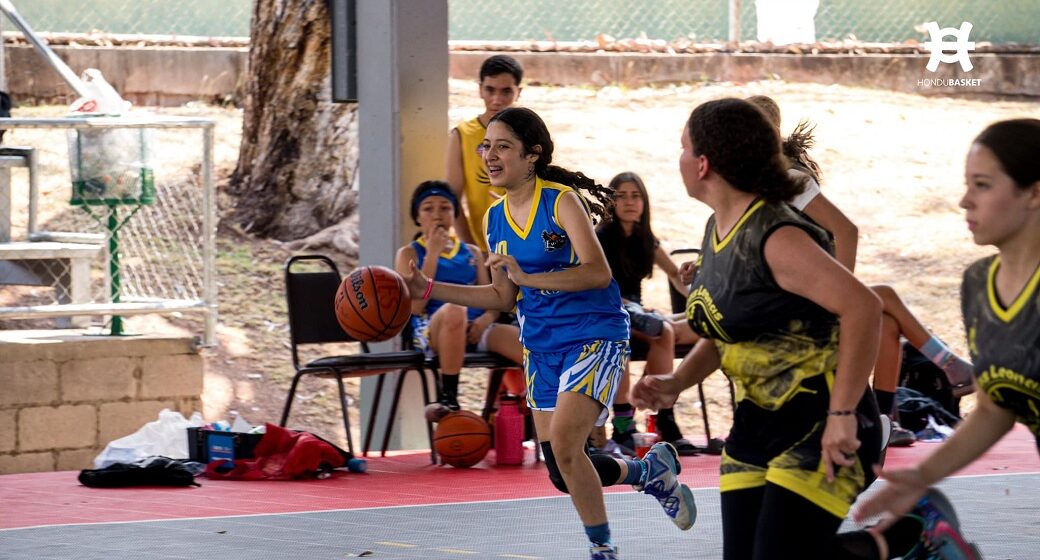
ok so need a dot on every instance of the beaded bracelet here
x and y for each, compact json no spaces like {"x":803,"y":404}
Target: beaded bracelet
{"x":840,"y":412}
{"x":429,"y":288}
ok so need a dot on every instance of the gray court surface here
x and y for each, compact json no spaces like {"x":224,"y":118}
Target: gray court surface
{"x":1000,"y":513}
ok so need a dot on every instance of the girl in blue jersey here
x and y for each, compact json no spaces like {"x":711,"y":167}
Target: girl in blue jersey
{"x":546,"y":262}
{"x":1000,"y":301}
{"x":443,"y":329}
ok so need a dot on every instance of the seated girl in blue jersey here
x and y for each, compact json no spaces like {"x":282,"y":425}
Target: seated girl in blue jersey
{"x":443,"y":329}
{"x":896,"y":320}
{"x":1000,"y":302}
{"x":546,"y":262}
{"x":632,"y":250}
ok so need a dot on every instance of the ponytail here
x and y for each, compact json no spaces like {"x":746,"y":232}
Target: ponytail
{"x":596,"y":198}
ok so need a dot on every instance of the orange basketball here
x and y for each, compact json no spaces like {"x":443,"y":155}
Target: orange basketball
{"x":372,"y":304}
{"x":462,"y":439}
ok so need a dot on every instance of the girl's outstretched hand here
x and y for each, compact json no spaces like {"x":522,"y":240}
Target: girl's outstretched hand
{"x":509,"y":265}
{"x":656,"y":391}
{"x":416,"y":280}
{"x":902,"y":489}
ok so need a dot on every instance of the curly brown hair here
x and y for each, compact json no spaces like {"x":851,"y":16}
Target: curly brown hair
{"x":743,"y":148}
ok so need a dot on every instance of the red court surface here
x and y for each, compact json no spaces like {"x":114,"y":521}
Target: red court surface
{"x":406,"y":479}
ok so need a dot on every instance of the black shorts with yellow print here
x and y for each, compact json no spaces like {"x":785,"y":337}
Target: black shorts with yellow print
{"x":783,"y":447}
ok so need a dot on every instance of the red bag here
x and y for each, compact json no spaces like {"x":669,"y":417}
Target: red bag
{"x":281,"y":455}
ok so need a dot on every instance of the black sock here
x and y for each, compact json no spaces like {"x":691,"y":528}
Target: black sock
{"x":622,"y":417}
{"x":885,"y":401}
{"x":666,"y":425}
{"x":450,"y":388}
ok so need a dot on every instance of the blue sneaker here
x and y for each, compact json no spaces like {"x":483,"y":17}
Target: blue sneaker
{"x":661,"y":481}
{"x":603,"y":553}
{"x":941,"y":538}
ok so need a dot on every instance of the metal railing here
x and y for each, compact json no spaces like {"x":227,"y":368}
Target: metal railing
{"x":167,"y":247}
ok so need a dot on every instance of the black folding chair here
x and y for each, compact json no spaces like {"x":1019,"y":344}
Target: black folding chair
{"x":712,"y":446}
{"x":312,"y":320}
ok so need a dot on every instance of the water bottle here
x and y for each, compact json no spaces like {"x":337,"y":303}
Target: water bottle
{"x":509,"y":432}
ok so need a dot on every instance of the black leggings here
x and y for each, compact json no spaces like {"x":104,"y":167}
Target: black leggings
{"x":773,"y":522}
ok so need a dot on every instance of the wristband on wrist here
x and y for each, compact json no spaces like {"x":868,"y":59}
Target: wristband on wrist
{"x":429,"y":288}
{"x":840,"y":412}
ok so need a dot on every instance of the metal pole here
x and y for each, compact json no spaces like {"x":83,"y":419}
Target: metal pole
{"x":58,"y":64}
{"x":208,"y":226}
{"x":113,"y":266}
{"x":734,"y":21}
{"x":34,"y":193}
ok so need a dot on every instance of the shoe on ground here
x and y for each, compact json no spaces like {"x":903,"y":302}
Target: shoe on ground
{"x":941,"y":538}
{"x":603,"y":553}
{"x":886,"y":434}
{"x":451,"y":402}
{"x":624,"y":440}
{"x":662,"y":482}
{"x":901,"y":437}
{"x":435,"y":411}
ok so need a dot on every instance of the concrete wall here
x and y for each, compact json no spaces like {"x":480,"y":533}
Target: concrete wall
{"x":162,"y":76}
{"x":175,"y":75}
{"x":63,"y":396}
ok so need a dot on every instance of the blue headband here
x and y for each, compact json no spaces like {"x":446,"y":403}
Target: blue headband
{"x":434,"y":191}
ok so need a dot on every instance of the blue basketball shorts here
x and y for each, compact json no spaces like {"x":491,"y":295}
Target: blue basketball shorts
{"x":593,"y":368}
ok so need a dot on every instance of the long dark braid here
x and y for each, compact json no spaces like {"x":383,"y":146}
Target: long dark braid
{"x":534,"y":135}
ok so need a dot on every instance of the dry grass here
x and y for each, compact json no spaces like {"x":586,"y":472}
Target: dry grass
{"x":893,"y":162}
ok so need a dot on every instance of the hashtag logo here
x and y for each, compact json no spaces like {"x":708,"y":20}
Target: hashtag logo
{"x":936,"y":44}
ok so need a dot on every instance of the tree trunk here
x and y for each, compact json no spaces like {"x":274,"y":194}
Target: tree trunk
{"x":298,"y":157}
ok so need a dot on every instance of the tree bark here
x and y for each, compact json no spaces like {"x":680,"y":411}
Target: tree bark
{"x":298,"y":157}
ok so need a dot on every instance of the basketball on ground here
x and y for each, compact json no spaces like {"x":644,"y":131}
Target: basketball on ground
{"x":372,"y":304}
{"x":462,"y":439}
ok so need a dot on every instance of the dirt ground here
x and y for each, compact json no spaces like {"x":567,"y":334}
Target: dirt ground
{"x":893,"y":162}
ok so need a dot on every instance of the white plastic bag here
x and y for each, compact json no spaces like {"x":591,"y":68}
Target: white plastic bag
{"x":167,"y":436}
{"x":101,"y":99}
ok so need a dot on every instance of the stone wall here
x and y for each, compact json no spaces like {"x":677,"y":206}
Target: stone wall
{"x":64,"y":396}
{"x":175,"y":75}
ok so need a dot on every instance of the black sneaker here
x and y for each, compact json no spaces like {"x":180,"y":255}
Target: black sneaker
{"x":624,"y":440}
{"x":451,"y":402}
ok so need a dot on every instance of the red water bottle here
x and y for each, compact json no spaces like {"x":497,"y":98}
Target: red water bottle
{"x":509,"y":432}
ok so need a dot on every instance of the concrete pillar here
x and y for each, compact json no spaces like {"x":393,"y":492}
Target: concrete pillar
{"x":402,"y":80}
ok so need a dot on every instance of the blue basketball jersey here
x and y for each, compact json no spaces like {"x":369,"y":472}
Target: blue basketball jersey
{"x":550,"y":319}
{"x":457,"y":266}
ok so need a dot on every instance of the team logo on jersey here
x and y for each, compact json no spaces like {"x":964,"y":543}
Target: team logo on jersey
{"x":553,"y":241}
{"x":701,"y":307}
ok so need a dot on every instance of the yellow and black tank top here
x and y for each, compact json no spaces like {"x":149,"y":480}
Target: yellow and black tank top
{"x":477,"y":188}
{"x":770,"y":341}
{"x":1004,"y":341}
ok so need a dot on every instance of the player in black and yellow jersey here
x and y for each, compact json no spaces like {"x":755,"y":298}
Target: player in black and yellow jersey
{"x":1000,"y":300}
{"x":773,"y":306}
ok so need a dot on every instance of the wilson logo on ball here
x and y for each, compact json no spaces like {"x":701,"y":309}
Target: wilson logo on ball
{"x":357,"y":282}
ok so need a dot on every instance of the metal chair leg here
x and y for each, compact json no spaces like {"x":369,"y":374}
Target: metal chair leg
{"x":493,"y":388}
{"x":373,"y":415}
{"x":346,"y":412}
{"x":393,"y":413}
{"x":704,"y":413}
{"x":289,"y":399}
{"x":429,"y":425}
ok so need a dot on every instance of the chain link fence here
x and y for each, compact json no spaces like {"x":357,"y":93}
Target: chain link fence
{"x":133,"y":240}
{"x":707,"y":21}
